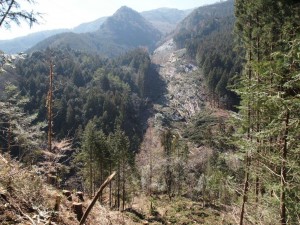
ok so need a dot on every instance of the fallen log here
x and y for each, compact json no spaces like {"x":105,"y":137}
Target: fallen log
{"x":86,"y":213}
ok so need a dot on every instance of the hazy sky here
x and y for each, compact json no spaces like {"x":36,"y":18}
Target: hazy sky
{"x":70,"y":13}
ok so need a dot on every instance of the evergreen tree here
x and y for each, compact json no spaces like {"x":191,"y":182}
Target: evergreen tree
{"x":268,"y":32}
{"x":119,"y":143}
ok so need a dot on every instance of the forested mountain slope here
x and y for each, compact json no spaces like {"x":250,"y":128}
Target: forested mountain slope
{"x":123,"y":31}
{"x":163,"y":19}
{"x":21,"y":44}
{"x":88,"y":87}
{"x":207,"y":33}
{"x":159,"y":122}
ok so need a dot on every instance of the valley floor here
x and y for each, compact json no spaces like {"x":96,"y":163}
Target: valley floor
{"x":184,"y":97}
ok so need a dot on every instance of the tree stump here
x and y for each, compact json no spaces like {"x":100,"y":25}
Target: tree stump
{"x":77,"y":209}
{"x":52,"y":172}
{"x":79,"y":195}
{"x":51,"y":179}
{"x":67,"y":194}
{"x":57,"y":202}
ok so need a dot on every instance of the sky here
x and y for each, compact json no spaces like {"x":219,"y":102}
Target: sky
{"x":70,"y":13}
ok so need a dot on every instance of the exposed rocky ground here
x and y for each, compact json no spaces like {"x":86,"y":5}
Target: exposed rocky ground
{"x":25,"y":198}
{"x":183,"y":99}
{"x":185,"y":92}
{"x":7,"y":68}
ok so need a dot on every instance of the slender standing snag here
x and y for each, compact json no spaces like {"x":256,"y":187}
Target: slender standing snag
{"x":86,"y":213}
{"x":49,"y":107}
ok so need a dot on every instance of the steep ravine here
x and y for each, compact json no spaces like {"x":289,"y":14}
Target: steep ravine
{"x":185,"y":92}
{"x":183,"y":98}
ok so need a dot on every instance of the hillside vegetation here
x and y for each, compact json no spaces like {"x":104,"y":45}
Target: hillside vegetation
{"x":207,"y":33}
{"x":202,"y":130}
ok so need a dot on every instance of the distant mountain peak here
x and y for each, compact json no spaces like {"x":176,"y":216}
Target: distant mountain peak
{"x":124,"y":7}
{"x":128,"y":27}
{"x":126,"y":12}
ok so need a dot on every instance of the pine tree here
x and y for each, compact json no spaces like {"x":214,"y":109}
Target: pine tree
{"x":268,"y":91}
{"x":169,"y":141}
{"x":119,"y":143}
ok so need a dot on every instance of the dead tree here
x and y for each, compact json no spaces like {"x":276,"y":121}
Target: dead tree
{"x":88,"y":210}
{"x":49,"y":107}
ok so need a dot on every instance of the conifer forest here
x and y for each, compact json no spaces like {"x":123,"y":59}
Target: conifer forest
{"x":165,"y":116}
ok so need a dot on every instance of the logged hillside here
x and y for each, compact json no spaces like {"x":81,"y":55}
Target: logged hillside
{"x":27,"y":198}
{"x":160,"y":124}
{"x":147,"y":118}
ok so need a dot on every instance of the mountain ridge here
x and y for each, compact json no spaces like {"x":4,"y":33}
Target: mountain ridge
{"x":125,"y":29}
{"x":164,"y":19}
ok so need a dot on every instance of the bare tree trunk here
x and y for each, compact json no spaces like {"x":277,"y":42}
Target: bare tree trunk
{"x":86,"y":213}
{"x":151,"y":164}
{"x":101,"y":179}
{"x":110,"y":188}
{"x":257,"y":180}
{"x":49,"y":107}
{"x":246,"y":187}
{"x":9,"y":135}
{"x":91,"y":173}
{"x":118,"y":187}
{"x":257,"y":111}
{"x":123,"y":186}
{"x":283,"y":216}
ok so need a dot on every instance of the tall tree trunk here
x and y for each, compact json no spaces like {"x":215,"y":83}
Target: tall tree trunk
{"x":9,"y":136}
{"x":283,"y":216}
{"x":118,"y":187}
{"x":110,"y":187}
{"x":151,"y":168}
{"x":245,"y":191}
{"x":101,"y":179}
{"x":258,"y":49}
{"x":49,"y":107}
{"x":123,"y":186}
{"x":248,"y":160}
{"x":91,"y":172}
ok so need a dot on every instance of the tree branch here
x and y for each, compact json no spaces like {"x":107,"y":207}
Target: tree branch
{"x":7,"y":11}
